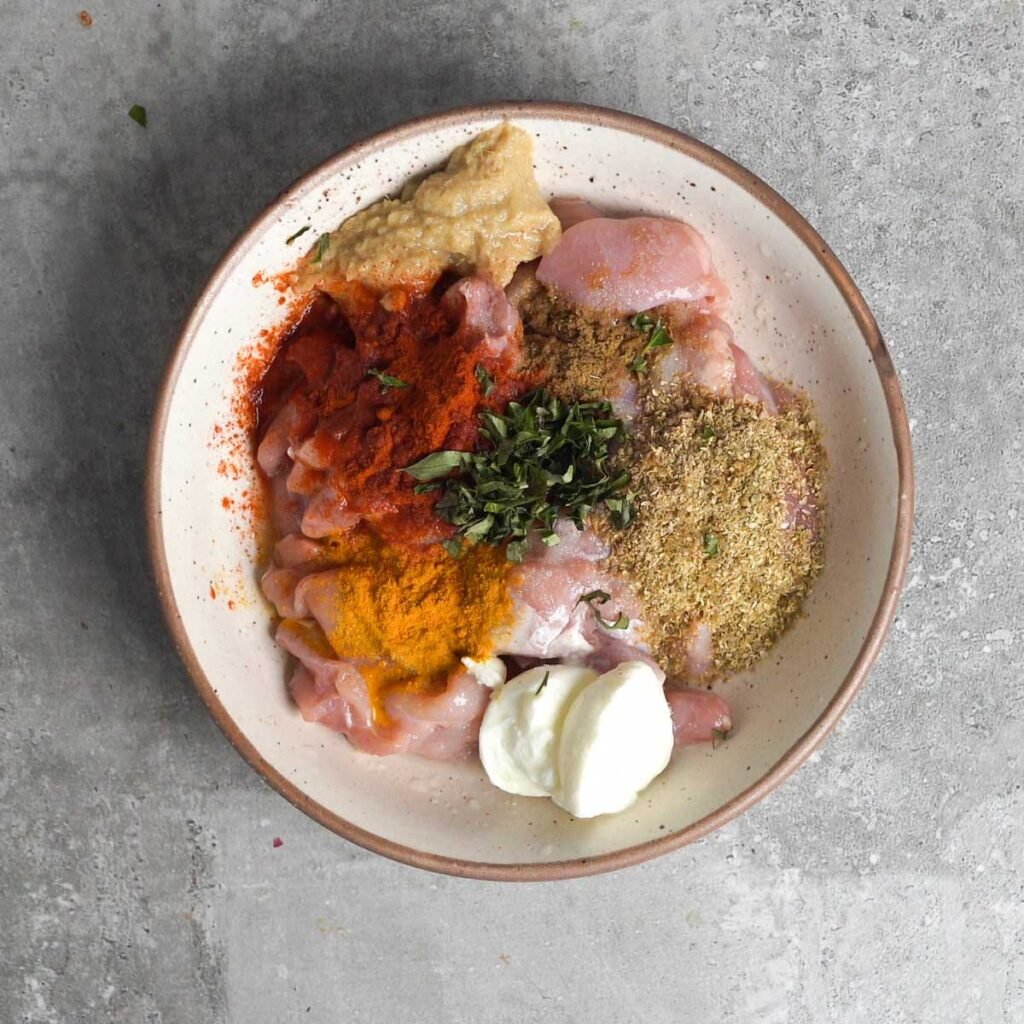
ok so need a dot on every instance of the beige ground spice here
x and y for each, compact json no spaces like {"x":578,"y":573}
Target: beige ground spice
{"x":713,"y":477}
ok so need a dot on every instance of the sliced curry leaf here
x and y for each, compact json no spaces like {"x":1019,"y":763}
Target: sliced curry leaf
{"x":320,"y":249}
{"x":437,"y":464}
{"x":453,"y":547}
{"x":387,"y":382}
{"x":484,"y":379}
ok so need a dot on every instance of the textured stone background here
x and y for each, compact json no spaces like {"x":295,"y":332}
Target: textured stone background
{"x":137,"y":877}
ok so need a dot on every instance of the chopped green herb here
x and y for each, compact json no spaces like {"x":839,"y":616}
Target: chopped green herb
{"x":542,"y":458}
{"x":298,"y":234}
{"x":516,"y":551}
{"x":622,"y":509}
{"x":602,"y":597}
{"x":707,"y":433}
{"x":387,"y":382}
{"x":718,"y":737}
{"x":320,"y":249}
{"x":710,"y":545}
{"x":453,"y":547}
{"x":138,"y":115}
{"x":426,"y":488}
{"x":543,"y":683}
{"x":657,"y":337}
{"x":437,"y":464}
{"x":485,"y":380}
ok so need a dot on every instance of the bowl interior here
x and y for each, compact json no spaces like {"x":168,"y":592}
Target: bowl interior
{"x":789,"y":313}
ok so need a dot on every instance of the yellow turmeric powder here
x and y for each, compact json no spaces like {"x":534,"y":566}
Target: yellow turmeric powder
{"x":408,"y":614}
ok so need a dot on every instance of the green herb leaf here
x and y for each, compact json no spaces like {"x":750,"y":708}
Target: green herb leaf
{"x":710,"y":545}
{"x":516,"y":551}
{"x":543,"y":683}
{"x":426,"y":488}
{"x":622,"y":509}
{"x":601,"y":597}
{"x":437,"y":464}
{"x":320,"y":249}
{"x":478,"y":529}
{"x":138,"y":115}
{"x":387,"y":382}
{"x":484,"y":379}
{"x":453,"y":547}
{"x":707,"y":433}
{"x":541,"y":459}
{"x":298,"y":234}
{"x":657,"y":337}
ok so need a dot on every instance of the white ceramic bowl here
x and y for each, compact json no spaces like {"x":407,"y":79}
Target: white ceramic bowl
{"x":794,"y":308}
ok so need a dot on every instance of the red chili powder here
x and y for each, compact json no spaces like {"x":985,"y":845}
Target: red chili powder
{"x":380,"y":388}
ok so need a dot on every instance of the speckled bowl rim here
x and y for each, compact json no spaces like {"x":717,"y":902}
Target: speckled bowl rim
{"x":880,"y":624}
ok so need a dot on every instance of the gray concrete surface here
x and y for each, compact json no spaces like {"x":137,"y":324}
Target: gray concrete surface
{"x":138,"y":880}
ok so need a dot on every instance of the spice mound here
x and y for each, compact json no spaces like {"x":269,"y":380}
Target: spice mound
{"x":406,"y":615}
{"x":727,"y":531}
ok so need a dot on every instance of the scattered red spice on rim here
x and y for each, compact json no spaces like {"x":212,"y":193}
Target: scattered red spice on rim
{"x":85,"y":18}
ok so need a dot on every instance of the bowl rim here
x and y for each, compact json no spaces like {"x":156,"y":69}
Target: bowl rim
{"x":585,"y":114}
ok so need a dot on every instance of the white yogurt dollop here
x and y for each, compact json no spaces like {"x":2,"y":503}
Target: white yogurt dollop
{"x":592,"y":743}
{"x":616,"y":739}
{"x":521,"y":727}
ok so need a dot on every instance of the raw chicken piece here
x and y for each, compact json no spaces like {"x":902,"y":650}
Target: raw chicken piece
{"x":293,"y":422}
{"x":523,"y":282}
{"x":570,"y":210}
{"x":327,"y":513}
{"x":441,"y":726}
{"x":632,"y":264}
{"x":334,"y":692}
{"x":285,"y":508}
{"x":700,"y":652}
{"x":278,"y":586}
{"x":705,"y":351}
{"x":697,"y":715}
{"x":550,"y":620}
{"x":702,"y":350}
{"x":486,"y":311}
{"x":573,"y":545}
{"x":294,"y":550}
{"x":749,"y":384}
{"x":295,"y":557}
